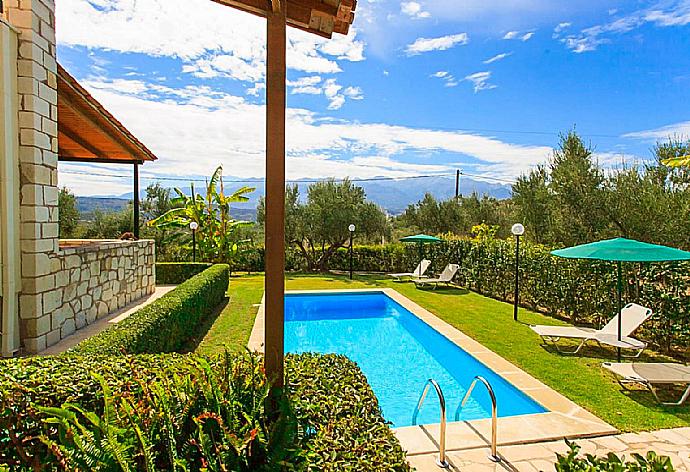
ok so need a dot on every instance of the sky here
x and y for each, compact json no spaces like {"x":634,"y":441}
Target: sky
{"x":416,"y":88}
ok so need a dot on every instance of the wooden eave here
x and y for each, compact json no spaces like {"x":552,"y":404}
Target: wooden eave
{"x":321,"y":17}
{"x":87,"y":132}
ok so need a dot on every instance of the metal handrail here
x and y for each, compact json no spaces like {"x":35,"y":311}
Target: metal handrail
{"x":441,"y":461}
{"x":494,"y":413}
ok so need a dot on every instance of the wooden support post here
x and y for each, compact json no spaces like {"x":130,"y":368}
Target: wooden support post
{"x":136,"y":200}
{"x":275,"y":193}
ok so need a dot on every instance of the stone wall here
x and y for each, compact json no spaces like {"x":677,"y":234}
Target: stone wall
{"x":38,"y":145}
{"x":92,"y":279}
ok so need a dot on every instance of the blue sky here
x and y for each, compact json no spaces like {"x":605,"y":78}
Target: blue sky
{"x":417,"y":87}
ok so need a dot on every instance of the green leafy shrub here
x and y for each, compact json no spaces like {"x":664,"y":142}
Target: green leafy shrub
{"x":571,"y":462}
{"x":210,"y":417}
{"x":51,"y":381}
{"x":173,"y":403}
{"x":341,"y":415}
{"x":175,"y":273}
{"x":166,"y":324}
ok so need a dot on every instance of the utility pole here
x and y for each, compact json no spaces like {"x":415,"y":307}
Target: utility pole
{"x":457,"y":183}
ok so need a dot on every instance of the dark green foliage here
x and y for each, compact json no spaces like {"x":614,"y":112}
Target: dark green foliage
{"x":51,"y":381}
{"x":319,"y":226}
{"x":193,"y":409}
{"x":166,"y":324}
{"x":611,"y":463}
{"x":174,"y":273}
{"x":209,"y":417}
{"x":68,"y":213}
{"x":338,"y":409}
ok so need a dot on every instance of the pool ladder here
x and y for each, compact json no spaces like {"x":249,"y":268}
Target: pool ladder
{"x":441,"y":461}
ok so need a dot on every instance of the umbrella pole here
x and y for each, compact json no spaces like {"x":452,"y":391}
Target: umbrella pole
{"x":620,"y":304}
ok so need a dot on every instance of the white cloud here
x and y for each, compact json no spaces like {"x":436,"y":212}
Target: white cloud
{"x":561,"y":26}
{"x":480,"y":80}
{"x":194,"y":129}
{"x":518,"y":35}
{"x":228,"y":43}
{"x":681,"y":130}
{"x":448,"y":79}
{"x":498,"y":57}
{"x":663,"y":14}
{"x":330,"y":88}
{"x":436,"y":44}
{"x":414,"y":10}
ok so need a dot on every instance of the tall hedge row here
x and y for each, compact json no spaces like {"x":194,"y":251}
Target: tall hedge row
{"x":164,"y":325}
{"x":174,"y":273}
{"x":582,"y":291}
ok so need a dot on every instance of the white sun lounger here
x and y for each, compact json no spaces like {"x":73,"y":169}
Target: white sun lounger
{"x":418,"y":272}
{"x":446,"y":277}
{"x":649,"y":375}
{"x":633,"y":315}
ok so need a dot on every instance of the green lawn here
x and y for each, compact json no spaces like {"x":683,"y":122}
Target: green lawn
{"x":490,"y":322}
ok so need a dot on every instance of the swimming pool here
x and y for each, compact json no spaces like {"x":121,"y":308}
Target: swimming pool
{"x":397,"y":352}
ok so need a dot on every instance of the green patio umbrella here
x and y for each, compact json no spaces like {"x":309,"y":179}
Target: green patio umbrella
{"x":421,"y":239}
{"x":621,"y":250}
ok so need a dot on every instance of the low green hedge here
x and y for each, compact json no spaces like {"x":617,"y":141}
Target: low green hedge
{"x":175,"y":273}
{"x":330,"y":403}
{"x":166,"y":324}
{"x":341,"y":415}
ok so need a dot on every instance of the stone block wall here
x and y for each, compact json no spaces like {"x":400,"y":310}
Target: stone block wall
{"x":38,"y":146}
{"x":92,"y":280}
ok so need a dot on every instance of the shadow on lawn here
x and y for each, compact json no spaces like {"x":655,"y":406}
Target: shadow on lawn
{"x":200,"y":330}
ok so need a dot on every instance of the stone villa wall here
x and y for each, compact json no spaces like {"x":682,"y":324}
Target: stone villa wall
{"x":38,"y":145}
{"x":91,"y":279}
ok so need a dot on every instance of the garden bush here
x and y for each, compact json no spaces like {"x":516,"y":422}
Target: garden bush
{"x":572,"y":462}
{"x":151,"y":408}
{"x":159,"y":413}
{"x":166,"y":324}
{"x":175,"y":273}
{"x":341,"y":416}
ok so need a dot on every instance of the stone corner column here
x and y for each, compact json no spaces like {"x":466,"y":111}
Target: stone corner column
{"x":38,"y":146}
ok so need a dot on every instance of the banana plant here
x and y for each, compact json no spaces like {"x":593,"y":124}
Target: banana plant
{"x":217,"y":230}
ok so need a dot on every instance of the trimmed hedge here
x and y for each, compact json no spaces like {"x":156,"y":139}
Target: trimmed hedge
{"x":331,"y":401}
{"x":175,"y":273}
{"x":341,"y":415}
{"x":166,"y":324}
{"x":51,"y":381}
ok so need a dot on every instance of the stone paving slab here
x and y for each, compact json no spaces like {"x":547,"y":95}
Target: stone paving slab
{"x":674,"y":443}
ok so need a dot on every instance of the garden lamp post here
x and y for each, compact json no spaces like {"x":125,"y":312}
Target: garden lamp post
{"x":193,"y":226}
{"x":352,"y":236}
{"x":518,"y":230}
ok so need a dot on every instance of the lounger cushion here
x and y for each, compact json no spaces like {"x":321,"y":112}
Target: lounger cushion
{"x":564,"y":331}
{"x":654,"y":373}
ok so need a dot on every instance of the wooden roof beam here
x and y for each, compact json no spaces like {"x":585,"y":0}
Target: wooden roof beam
{"x":88,"y":147}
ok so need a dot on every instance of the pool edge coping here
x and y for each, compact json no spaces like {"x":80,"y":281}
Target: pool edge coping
{"x":563,"y":418}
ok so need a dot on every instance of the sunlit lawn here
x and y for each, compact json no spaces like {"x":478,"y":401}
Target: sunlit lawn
{"x":490,"y":322}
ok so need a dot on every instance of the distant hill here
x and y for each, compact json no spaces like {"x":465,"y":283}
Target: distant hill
{"x":87,"y":205}
{"x":392,"y":195}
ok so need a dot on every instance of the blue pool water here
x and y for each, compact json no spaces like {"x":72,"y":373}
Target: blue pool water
{"x":397,"y":352}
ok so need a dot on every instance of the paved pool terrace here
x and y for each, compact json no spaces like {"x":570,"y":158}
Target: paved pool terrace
{"x":564,"y":418}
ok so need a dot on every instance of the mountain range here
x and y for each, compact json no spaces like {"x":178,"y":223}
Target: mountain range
{"x":392,"y":195}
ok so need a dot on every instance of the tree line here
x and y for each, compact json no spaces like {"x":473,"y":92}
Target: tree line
{"x":571,"y":199}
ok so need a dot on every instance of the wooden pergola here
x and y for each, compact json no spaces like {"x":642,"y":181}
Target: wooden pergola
{"x":87,"y":132}
{"x":323,"y":18}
